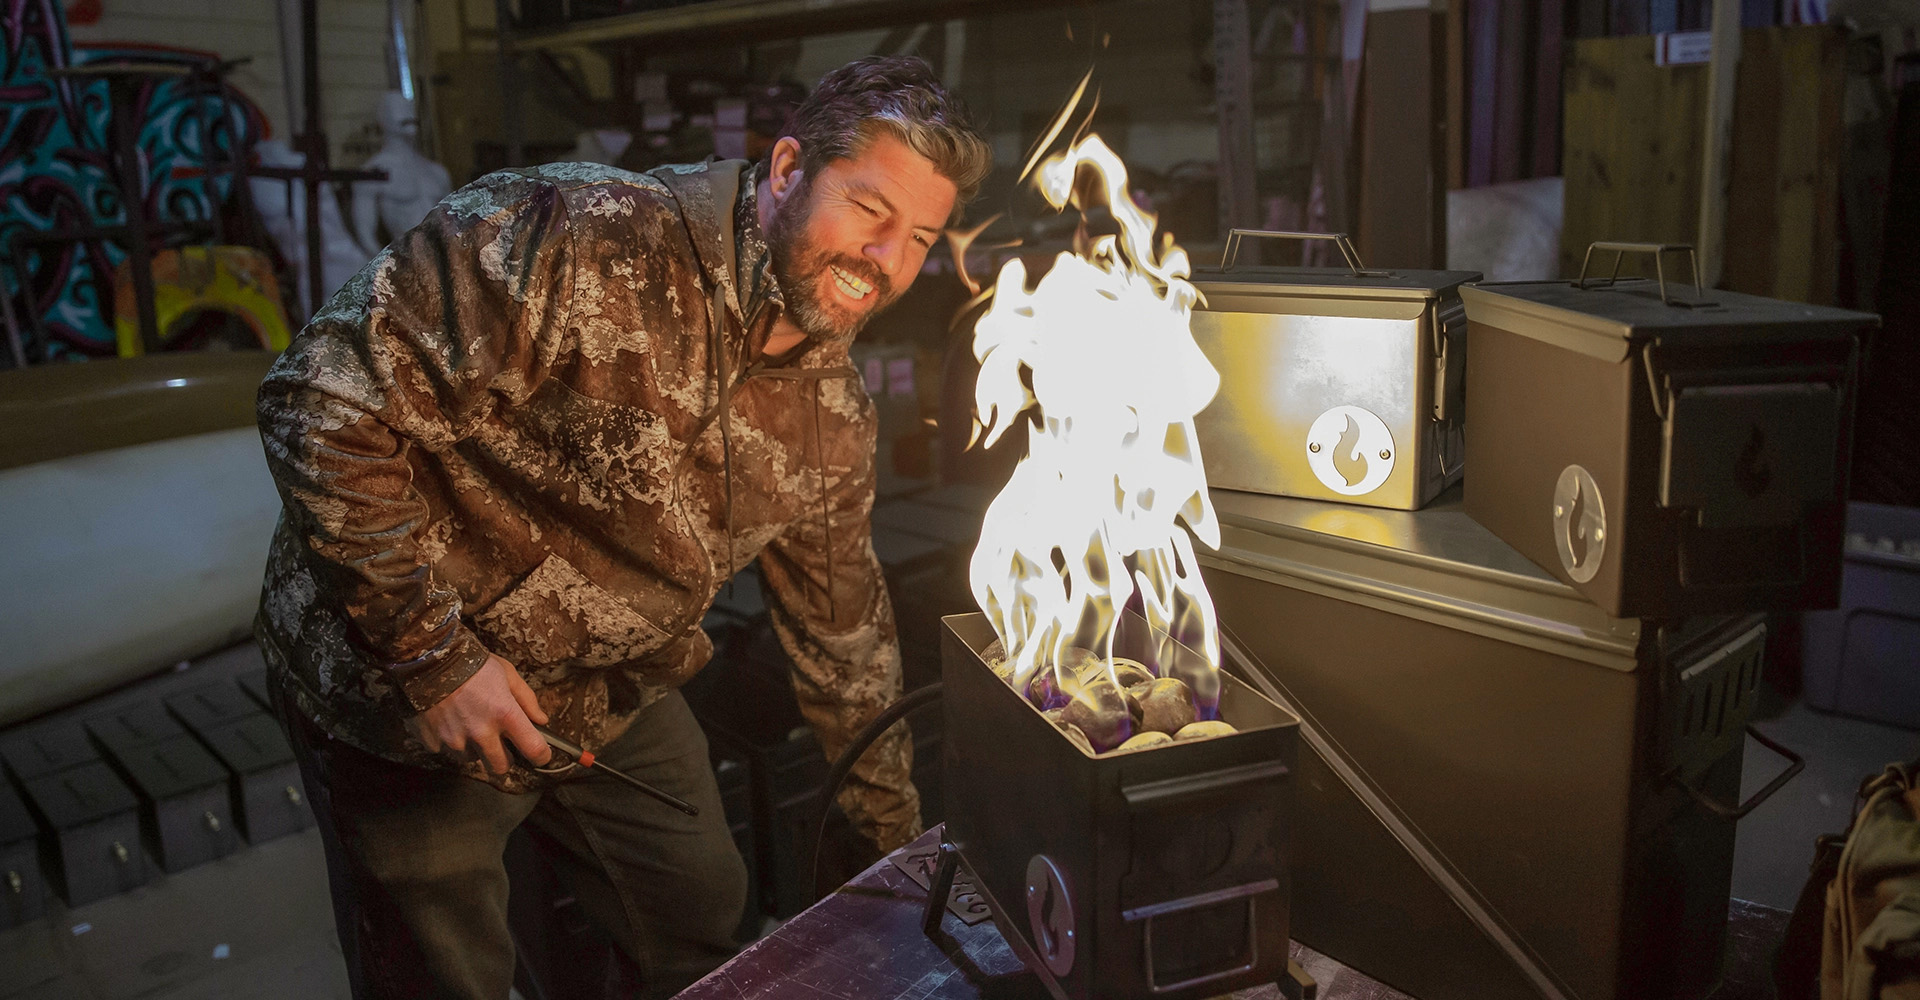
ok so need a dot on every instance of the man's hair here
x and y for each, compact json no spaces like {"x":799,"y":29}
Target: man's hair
{"x":897,"y":96}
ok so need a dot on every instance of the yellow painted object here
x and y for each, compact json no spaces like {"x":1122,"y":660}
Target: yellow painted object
{"x":190,"y":280}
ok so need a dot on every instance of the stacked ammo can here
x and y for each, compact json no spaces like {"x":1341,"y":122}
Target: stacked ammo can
{"x":1527,"y":709}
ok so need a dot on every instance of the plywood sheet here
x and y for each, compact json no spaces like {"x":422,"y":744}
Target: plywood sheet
{"x":1632,"y":149}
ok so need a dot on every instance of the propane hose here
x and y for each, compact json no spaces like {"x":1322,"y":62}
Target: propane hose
{"x":837,"y":775}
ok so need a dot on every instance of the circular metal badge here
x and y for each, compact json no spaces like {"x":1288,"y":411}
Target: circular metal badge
{"x":1350,"y":450}
{"x":1050,"y":914}
{"x":1579,"y":523}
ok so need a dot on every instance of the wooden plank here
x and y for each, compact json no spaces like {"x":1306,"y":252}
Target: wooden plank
{"x":1402,"y":205}
{"x":1233,"y":96}
{"x":1631,"y":17}
{"x":1483,"y":75}
{"x":1717,"y":143}
{"x":1632,"y":149}
{"x":1548,"y":66}
{"x":1456,"y":94}
{"x":1783,"y":200}
{"x":1510,"y":132}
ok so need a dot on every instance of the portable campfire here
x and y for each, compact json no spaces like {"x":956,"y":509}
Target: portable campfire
{"x":1118,"y":803}
{"x":1156,"y":872}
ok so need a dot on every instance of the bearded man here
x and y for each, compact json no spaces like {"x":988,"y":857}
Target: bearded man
{"x":519,"y":454}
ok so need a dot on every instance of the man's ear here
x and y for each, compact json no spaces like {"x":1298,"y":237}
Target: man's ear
{"x":784,"y":175}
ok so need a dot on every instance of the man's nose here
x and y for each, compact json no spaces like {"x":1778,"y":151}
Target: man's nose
{"x":889,"y":251}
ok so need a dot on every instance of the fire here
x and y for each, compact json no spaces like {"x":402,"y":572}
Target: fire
{"x":1107,"y":503}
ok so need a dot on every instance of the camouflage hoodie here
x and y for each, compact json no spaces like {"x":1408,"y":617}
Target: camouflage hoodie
{"x":539,"y":425}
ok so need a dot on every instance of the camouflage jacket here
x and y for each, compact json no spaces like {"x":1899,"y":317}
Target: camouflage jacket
{"x":539,"y":425}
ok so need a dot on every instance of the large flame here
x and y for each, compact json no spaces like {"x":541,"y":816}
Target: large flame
{"x":1102,"y":349}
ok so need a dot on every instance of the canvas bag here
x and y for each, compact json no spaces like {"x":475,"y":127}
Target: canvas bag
{"x":1870,"y":945}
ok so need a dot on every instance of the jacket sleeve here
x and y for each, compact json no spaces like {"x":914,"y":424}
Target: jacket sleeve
{"x":844,"y":648}
{"x":462,"y":314}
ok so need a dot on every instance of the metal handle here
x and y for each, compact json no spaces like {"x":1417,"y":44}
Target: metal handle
{"x":1232,"y":250}
{"x":1727,"y":812}
{"x":1250,"y":892}
{"x":1659,"y":252}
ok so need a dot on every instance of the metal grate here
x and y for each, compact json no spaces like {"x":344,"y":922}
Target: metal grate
{"x":1708,"y":713}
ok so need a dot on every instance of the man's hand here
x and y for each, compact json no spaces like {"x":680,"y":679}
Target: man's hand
{"x":494,"y":702}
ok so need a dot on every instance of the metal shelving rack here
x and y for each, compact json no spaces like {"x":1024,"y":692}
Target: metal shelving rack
{"x":736,"y":21}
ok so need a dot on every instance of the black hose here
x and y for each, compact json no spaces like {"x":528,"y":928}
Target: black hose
{"x":851,"y":755}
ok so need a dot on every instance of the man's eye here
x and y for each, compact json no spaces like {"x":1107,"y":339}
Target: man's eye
{"x":869,"y":209}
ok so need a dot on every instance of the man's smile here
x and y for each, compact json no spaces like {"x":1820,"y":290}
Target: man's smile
{"x":850,"y":286}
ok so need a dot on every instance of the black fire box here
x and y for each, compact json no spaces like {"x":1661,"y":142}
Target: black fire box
{"x":1509,"y":794}
{"x":94,"y":820}
{"x":23,"y":888}
{"x":47,"y":749}
{"x":133,"y":726}
{"x":1663,"y":450}
{"x":266,"y":790}
{"x":183,"y":795}
{"x":211,"y":706}
{"x":1159,"y":872}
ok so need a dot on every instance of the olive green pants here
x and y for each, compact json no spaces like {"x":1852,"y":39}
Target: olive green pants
{"x":414,"y":860}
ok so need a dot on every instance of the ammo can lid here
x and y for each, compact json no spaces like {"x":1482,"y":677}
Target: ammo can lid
{"x":1607,"y":320}
{"x":1435,"y":564}
{"x":1329,"y":282}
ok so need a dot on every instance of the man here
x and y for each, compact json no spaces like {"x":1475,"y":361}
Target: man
{"x":520,"y":452}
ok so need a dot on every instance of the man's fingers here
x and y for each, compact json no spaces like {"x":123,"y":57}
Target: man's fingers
{"x":494,"y":752}
{"x":529,"y":702}
{"x":528,"y":740}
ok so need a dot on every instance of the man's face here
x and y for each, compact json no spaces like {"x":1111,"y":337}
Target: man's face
{"x":848,"y":241}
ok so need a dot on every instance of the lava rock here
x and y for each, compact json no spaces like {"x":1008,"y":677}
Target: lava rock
{"x":1100,"y":710}
{"x":1079,"y":738}
{"x":1141,"y":740}
{"x":1045,"y":692}
{"x":1205,"y":730}
{"x":1166,"y":705}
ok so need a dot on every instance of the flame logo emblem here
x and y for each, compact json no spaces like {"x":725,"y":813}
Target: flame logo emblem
{"x":1752,"y":472}
{"x":1579,"y":523}
{"x":1348,"y":459}
{"x":1350,"y":451}
{"x":1050,"y":914}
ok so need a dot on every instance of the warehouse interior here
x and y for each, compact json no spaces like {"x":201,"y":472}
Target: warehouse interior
{"x":1557,"y":510}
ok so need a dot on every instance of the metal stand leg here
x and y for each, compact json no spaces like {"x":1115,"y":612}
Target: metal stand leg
{"x":1296,"y":984}
{"x":938,"y":892}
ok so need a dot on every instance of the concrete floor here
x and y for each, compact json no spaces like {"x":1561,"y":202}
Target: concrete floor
{"x":257,"y":924}
{"x":1775,"y":841}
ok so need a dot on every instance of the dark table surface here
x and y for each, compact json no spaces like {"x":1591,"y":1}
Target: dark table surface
{"x":864,"y":942}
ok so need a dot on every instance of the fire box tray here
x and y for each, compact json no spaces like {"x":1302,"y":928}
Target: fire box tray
{"x":1491,"y":756}
{"x":1335,"y":383}
{"x":1159,"y":872}
{"x":183,"y":798}
{"x":23,"y":887}
{"x":94,"y":820}
{"x":266,"y":789}
{"x":1665,"y":453}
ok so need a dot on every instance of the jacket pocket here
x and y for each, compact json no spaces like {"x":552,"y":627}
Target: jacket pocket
{"x":557,"y":619}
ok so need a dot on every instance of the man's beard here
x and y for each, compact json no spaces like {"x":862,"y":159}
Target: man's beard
{"x":800,"y":267}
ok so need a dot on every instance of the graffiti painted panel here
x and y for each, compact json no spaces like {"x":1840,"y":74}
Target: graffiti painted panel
{"x":56,"y":173}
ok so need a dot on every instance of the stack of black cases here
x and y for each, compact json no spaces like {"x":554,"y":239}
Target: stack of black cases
{"x":1519,"y":787}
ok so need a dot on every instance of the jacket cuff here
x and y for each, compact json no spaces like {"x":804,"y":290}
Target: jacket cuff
{"x":427,"y":679}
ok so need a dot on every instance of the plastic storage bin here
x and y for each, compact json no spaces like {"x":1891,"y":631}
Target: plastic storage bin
{"x":1863,"y":659}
